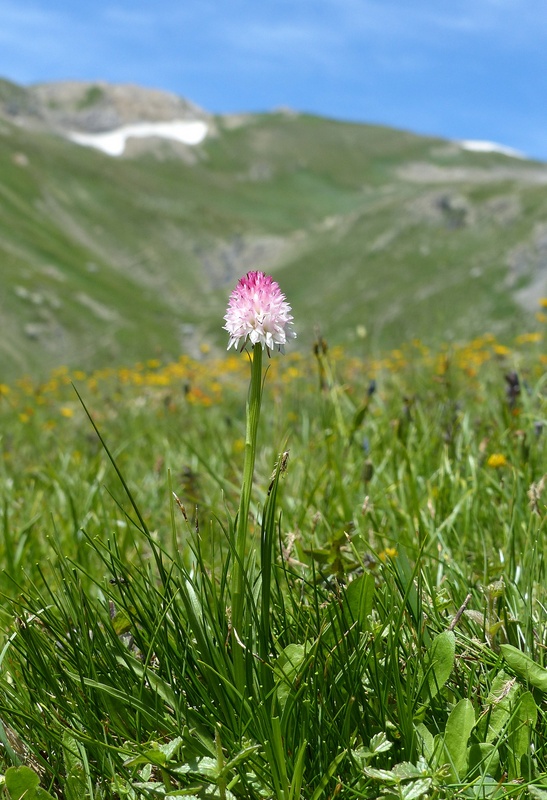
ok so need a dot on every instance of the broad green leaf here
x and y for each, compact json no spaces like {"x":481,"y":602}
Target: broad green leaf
{"x":159,"y":755}
{"x":171,"y":748}
{"x":292,"y":656}
{"x":439,"y":663}
{"x":406,"y":771}
{"x":286,"y":669}
{"x":207,"y":766}
{"x":156,"y":757}
{"x":183,"y":793}
{"x":525,"y":667}
{"x":459,"y":725}
{"x":427,"y":740}
{"x":182,"y":769}
{"x":359,"y":597}
{"x":502,"y":695}
{"x":383,"y":775}
{"x":20,"y":780}
{"x":24,"y":782}
{"x":488,"y":788}
{"x":484,"y":759}
{"x":520,"y":729}
{"x":500,"y":689}
{"x":122,"y":623}
{"x":415,"y":789}
{"x":379,"y":743}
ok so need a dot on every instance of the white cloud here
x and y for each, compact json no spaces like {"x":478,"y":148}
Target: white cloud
{"x":35,"y":39}
{"x":129,"y":17}
{"x":284,"y":41}
{"x":21,"y":25}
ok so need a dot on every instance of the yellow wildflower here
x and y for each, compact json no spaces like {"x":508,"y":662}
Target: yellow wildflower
{"x":389,"y":552}
{"x":497,"y":460}
{"x":529,"y":338}
{"x":66,"y":411}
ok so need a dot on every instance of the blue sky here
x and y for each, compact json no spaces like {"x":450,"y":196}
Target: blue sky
{"x":464,"y":69}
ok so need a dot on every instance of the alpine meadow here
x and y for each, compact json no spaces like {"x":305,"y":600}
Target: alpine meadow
{"x":273,"y":475}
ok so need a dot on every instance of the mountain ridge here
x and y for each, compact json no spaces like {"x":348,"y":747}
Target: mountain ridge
{"x":92,"y":106}
{"x":367,"y":229}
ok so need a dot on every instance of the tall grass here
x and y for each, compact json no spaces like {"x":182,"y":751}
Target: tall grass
{"x":393,"y":580}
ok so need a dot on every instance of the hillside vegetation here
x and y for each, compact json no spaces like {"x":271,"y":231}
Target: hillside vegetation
{"x":377,"y":235}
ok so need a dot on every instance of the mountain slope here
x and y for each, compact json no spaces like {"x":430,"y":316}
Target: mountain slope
{"x":118,"y":259}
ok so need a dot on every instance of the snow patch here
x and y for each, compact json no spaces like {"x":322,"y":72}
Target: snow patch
{"x":113,"y":142}
{"x":479,"y":146}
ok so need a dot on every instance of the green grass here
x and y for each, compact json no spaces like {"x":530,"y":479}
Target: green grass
{"x":393,"y":629}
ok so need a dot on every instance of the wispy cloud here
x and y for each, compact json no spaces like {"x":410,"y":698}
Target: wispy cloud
{"x":19,"y":23}
{"x":283,"y":42}
{"x":421,"y":20}
{"x":131,"y":18}
{"x":36,"y":40}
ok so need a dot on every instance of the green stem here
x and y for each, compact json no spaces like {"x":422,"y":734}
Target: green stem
{"x":238,"y":572}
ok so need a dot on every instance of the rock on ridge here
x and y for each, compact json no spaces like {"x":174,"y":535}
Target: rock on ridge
{"x":92,"y":106}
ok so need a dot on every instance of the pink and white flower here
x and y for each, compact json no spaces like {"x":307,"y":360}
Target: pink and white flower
{"x":258,"y":313}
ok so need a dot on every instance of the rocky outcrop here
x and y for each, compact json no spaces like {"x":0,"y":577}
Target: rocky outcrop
{"x":91,"y":107}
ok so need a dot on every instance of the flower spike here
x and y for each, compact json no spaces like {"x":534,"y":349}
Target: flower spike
{"x":258,"y":313}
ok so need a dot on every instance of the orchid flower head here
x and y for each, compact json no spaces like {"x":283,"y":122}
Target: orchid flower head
{"x":259,"y":313}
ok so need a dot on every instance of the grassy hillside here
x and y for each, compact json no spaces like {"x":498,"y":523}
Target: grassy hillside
{"x":369,"y":230}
